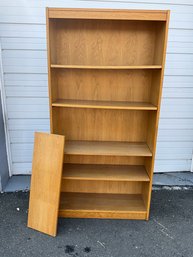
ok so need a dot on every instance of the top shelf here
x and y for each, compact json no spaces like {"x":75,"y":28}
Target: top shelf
{"x":111,"y":67}
{"x":107,"y":14}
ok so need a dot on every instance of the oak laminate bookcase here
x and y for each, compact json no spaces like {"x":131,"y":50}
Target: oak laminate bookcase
{"x":105,"y":80}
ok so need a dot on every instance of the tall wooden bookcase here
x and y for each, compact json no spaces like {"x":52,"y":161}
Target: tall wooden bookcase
{"x":105,"y":80}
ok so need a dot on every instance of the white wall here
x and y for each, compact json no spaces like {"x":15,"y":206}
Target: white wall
{"x":23,"y":39}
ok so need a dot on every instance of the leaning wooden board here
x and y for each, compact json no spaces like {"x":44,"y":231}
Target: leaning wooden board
{"x":45,"y":182}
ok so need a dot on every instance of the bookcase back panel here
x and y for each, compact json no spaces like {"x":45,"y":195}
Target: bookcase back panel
{"x":145,"y":193}
{"x":101,"y":125}
{"x":109,"y":85}
{"x":155,"y":87}
{"x":101,"y":187}
{"x":102,"y":42}
{"x":97,"y":159}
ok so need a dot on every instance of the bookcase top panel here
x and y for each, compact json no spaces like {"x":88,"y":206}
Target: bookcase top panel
{"x":108,"y":14}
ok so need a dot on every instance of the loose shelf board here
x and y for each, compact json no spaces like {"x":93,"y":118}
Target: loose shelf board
{"x":46,"y":182}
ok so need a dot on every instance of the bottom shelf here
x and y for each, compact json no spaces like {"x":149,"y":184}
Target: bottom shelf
{"x":82,"y":205}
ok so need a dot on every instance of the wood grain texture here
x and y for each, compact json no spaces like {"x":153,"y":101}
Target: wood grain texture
{"x":101,"y":187}
{"x":106,"y":148}
{"x":49,"y":35}
{"x":46,"y":182}
{"x":136,"y":67}
{"x":106,"y":72}
{"x":102,"y":159}
{"x":94,"y":43}
{"x":104,"y":172}
{"x":102,"y":85}
{"x":112,"y":14}
{"x":79,"y":205}
{"x":104,"y":105}
{"x":93,"y":124}
{"x":153,"y":128}
{"x":113,"y":179}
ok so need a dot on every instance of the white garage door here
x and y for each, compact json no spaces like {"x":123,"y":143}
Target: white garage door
{"x":23,"y":40}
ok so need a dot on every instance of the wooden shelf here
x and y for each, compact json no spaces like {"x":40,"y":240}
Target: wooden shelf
{"x":106,"y":148}
{"x":110,"y":141}
{"x":82,"y":205}
{"x":105,"y":172}
{"x":115,"y":105}
{"x":105,"y":14}
{"x":107,"y":67}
